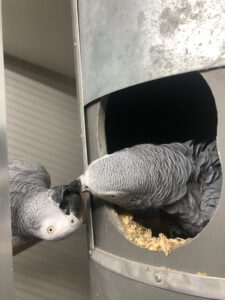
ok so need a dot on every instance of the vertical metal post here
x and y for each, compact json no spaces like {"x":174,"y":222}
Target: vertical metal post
{"x":6,"y":270}
{"x":80,"y":96}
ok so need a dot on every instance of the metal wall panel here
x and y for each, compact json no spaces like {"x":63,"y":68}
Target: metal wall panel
{"x":128,"y":42}
{"x":124,"y":43}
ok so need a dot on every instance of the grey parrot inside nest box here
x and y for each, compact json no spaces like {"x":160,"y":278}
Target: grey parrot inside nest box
{"x":182,"y":180}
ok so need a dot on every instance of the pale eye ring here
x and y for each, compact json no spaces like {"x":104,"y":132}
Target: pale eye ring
{"x":50,"y":229}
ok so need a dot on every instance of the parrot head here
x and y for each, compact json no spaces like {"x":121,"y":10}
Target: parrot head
{"x":52,"y":214}
{"x":117,"y":178}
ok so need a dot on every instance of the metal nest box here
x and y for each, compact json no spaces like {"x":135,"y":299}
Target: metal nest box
{"x":162,"y":59}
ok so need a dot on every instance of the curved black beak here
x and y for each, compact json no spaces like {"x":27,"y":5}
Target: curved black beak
{"x":75,"y":186}
{"x":72,"y":203}
{"x":69,"y":198}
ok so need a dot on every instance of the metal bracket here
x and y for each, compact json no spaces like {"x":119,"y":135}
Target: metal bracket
{"x":181,"y":282}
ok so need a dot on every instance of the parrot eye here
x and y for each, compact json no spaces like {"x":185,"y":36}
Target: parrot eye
{"x":50,"y":229}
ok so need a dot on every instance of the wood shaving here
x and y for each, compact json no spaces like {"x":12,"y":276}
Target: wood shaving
{"x":143,"y":237}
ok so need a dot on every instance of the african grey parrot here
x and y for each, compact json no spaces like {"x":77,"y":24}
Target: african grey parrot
{"x":181,"y":179}
{"x":37,"y":211}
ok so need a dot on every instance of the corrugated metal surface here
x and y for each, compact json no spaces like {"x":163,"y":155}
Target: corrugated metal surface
{"x":43,"y":125}
{"x":53,"y":270}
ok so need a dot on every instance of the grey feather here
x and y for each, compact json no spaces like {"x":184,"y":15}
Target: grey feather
{"x":184,"y":180}
{"x":204,"y":186}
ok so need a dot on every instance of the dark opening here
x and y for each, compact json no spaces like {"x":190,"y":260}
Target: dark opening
{"x":173,"y":109}
{"x":176,"y":108}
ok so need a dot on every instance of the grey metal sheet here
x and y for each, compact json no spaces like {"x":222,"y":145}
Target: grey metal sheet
{"x":172,"y":280}
{"x":128,"y":42}
{"x":107,"y":285}
{"x":80,"y":97}
{"x":205,"y":253}
{"x":6,"y":271}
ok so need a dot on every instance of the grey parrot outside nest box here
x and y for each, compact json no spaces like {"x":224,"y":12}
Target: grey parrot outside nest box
{"x":151,"y":71}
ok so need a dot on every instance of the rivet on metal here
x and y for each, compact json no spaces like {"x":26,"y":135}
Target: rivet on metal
{"x":157,"y":277}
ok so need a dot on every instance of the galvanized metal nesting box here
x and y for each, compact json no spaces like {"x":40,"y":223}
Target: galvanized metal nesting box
{"x":127,"y":53}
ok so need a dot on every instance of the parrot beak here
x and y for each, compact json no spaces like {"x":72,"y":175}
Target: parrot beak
{"x":69,"y":199}
{"x":75,"y":186}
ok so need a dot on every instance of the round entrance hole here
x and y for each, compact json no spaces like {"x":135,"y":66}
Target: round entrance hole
{"x":173,"y":109}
